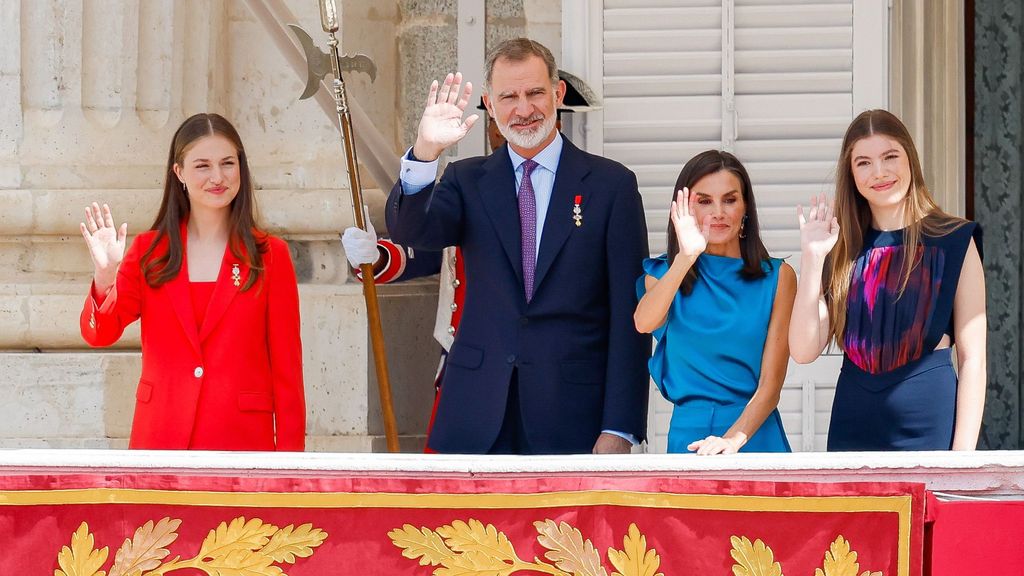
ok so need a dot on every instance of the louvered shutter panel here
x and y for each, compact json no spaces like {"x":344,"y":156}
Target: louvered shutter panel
{"x":663,"y":104}
{"x":772,"y":82}
{"x":662,"y":93}
{"x":794,"y":99}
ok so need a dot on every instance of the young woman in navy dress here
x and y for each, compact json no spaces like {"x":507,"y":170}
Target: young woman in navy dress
{"x":719,"y":308}
{"x":895,"y":282}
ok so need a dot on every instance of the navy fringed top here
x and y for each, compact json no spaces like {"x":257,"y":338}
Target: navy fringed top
{"x":886,"y":331}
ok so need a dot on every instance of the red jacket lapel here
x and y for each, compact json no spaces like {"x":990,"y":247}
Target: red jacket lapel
{"x":230,"y":280}
{"x":181,"y":297}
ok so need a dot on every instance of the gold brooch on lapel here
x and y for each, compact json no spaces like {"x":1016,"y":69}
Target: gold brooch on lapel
{"x":236,"y":275}
{"x":577,"y":212}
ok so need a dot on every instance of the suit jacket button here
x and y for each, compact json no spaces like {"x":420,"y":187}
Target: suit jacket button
{"x":511,"y":359}
{"x":524,"y":321}
{"x":198,"y":372}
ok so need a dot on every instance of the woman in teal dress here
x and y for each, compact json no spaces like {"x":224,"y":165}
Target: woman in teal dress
{"x":719,"y":308}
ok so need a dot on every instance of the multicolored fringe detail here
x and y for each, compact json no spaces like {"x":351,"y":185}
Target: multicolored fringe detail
{"x":885,"y":330}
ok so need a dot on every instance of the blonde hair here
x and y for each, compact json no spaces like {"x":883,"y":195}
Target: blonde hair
{"x":922,"y":216}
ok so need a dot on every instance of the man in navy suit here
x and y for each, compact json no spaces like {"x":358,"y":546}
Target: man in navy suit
{"x":546,"y":359}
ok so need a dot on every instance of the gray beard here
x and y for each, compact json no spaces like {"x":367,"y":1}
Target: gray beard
{"x":532,"y":139}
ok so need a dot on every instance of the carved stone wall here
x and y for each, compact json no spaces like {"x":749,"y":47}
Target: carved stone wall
{"x":90,"y":94}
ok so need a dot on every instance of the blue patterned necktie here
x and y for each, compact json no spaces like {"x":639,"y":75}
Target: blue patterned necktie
{"x":528,"y":227}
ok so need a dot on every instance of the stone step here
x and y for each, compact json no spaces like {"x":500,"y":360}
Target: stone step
{"x":409,"y":443}
{"x":79,"y":398}
{"x":58,"y":212}
{"x":40,"y":242}
{"x":67,"y":397}
{"x":50,"y":260}
{"x":46,"y":316}
{"x":40,"y":310}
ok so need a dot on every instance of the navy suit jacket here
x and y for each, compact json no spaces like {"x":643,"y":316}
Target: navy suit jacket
{"x":581,"y":363}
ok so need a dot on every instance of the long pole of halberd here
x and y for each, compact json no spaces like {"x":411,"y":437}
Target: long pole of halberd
{"x":369,"y":288}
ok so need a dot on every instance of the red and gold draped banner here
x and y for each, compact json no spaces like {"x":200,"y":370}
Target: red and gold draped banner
{"x":565,"y":525}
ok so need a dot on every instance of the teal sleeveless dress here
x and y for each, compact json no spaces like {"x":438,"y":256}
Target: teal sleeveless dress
{"x":707,"y":360}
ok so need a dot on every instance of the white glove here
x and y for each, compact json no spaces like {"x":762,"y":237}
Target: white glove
{"x":360,"y":246}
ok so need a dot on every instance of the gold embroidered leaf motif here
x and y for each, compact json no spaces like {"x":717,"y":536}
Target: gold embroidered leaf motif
{"x":238,"y":535}
{"x":568,"y":550}
{"x":289,"y":542}
{"x":431,"y":549}
{"x":634,"y":559}
{"x":840,"y":560}
{"x":146,"y":549}
{"x":240,"y":562}
{"x":753,"y":559}
{"x":474,"y":563}
{"x":80,"y":559}
{"x":421,"y":543}
{"x":475,"y":537}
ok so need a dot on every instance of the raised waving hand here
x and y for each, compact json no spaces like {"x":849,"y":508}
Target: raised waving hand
{"x":819,"y":231}
{"x":106,"y":244}
{"x":809,"y":324}
{"x":441,"y":124}
{"x":652,"y":310}
{"x":692,"y":238}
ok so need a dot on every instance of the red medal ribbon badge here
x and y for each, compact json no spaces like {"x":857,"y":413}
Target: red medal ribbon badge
{"x":577,"y":212}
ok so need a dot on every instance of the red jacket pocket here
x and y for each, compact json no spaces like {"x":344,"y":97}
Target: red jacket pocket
{"x":144,"y":392}
{"x":255,"y":402}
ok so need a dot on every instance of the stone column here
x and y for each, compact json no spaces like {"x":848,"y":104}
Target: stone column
{"x":927,"y":91}
{"x":428,"y":49}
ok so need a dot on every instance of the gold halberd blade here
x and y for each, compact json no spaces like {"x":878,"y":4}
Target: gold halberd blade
{"x":318,"y":63}
{"x":359,"y":63}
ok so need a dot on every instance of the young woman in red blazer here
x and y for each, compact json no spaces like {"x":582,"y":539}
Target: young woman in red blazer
{"x":221,"y":355}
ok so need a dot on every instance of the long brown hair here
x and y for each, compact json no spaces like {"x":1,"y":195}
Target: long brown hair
{"x":246,"y":241}
{"x":752,"y":249}
{"x":922,"y":216}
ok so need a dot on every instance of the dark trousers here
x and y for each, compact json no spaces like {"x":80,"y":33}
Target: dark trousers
{"x":512,"y":437}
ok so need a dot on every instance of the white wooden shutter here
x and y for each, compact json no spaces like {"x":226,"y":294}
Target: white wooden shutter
{"x":771,"y":81}
{"x":662,"y":105}
{"x":794,"y":99}
{"x":662,"y":93}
